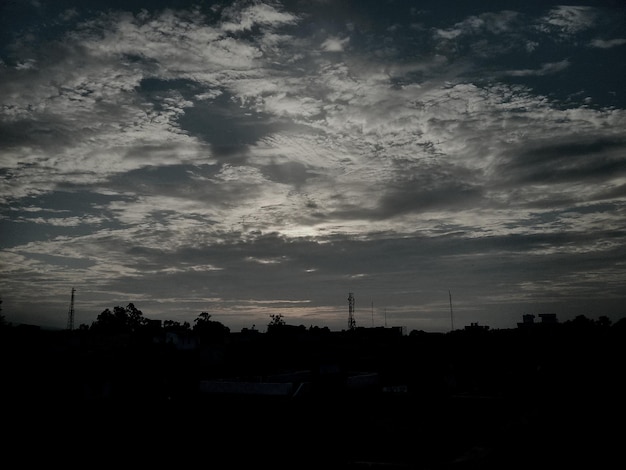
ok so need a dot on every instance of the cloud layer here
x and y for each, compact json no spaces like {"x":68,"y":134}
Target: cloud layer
{"x":257,"y":157}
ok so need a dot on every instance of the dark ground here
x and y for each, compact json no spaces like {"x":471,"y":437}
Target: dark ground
{"x":496,"y":400}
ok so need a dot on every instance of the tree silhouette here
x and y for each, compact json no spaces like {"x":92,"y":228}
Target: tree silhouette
{"x":203,"y":318}
{"x":277,"y":321}
{"x":208,"y":329}
{"x":279,"y":328}
{"x":134,"y":317}
{"x":121,"y":319}
{"x":175,"y":325}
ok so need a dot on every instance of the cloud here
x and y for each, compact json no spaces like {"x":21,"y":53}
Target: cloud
{"x":569,"y":19}
{"x":229,"y":159}
{"x":607,"y":43}
{"x":335,"y":104}
{"x":334,"y":44}
{"x":237,"y":19}
{"x":545,"y":69}
{"x":494,"y":23}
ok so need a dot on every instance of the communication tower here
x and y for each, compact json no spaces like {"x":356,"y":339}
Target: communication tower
{"x":351,"y":321}
{"x":70,"y":314}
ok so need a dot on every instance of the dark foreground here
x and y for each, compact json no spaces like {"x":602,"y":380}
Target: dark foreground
{"x":254,"y":432}
{"x":437,"y":402}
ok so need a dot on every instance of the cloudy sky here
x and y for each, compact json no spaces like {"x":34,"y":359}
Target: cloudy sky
{"x":269,"y":157}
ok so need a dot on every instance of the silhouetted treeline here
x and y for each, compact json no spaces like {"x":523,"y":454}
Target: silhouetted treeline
{"x":471,"y":361}
{"x":470,"y":398}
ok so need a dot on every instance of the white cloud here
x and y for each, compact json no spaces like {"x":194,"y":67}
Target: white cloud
{"x":495,"y":23}
{"x":569,"y":19}
{"x":364,"y":133}
{"x":607,"y":43}
{"x":335,"y":44}
{"x":546,"y":69}
{"x":237,"y":19}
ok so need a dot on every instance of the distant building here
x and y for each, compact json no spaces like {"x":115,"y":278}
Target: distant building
{"x":181,"y":339}
{"x":548,"y":318}
{"x":528,"y":320}
{"x":476,"y":327}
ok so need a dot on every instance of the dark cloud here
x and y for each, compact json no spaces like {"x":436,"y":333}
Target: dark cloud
{"x":292,"y":173}
{"x":570,"y":161}
{"x":452,"y":191}
{"x":173,"y":180}
{"x":34,"y":132}
{"x":55,"y":214}
{"x":227,"y":126}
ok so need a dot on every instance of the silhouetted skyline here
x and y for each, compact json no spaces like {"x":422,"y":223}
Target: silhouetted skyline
{"x":542,"y":394}
{"x":269,"y":157}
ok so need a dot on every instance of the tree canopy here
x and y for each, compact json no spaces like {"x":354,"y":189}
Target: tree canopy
{"x":122,"y":319}
{"x":209,"y":329}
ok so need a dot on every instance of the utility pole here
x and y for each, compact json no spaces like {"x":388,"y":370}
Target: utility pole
{"x":451,"y":314}
{"x":70,"y":314}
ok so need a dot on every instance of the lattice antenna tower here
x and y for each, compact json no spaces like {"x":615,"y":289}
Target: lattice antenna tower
{"x":351,"y":321}
{"x":70,"y":313}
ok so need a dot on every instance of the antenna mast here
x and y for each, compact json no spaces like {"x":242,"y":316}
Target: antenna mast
{"x":70,"y":314}
{"x":351,"y":321}
{"x":451,"y":314}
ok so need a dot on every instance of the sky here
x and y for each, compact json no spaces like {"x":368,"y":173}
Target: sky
{"x":446,"y":162}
